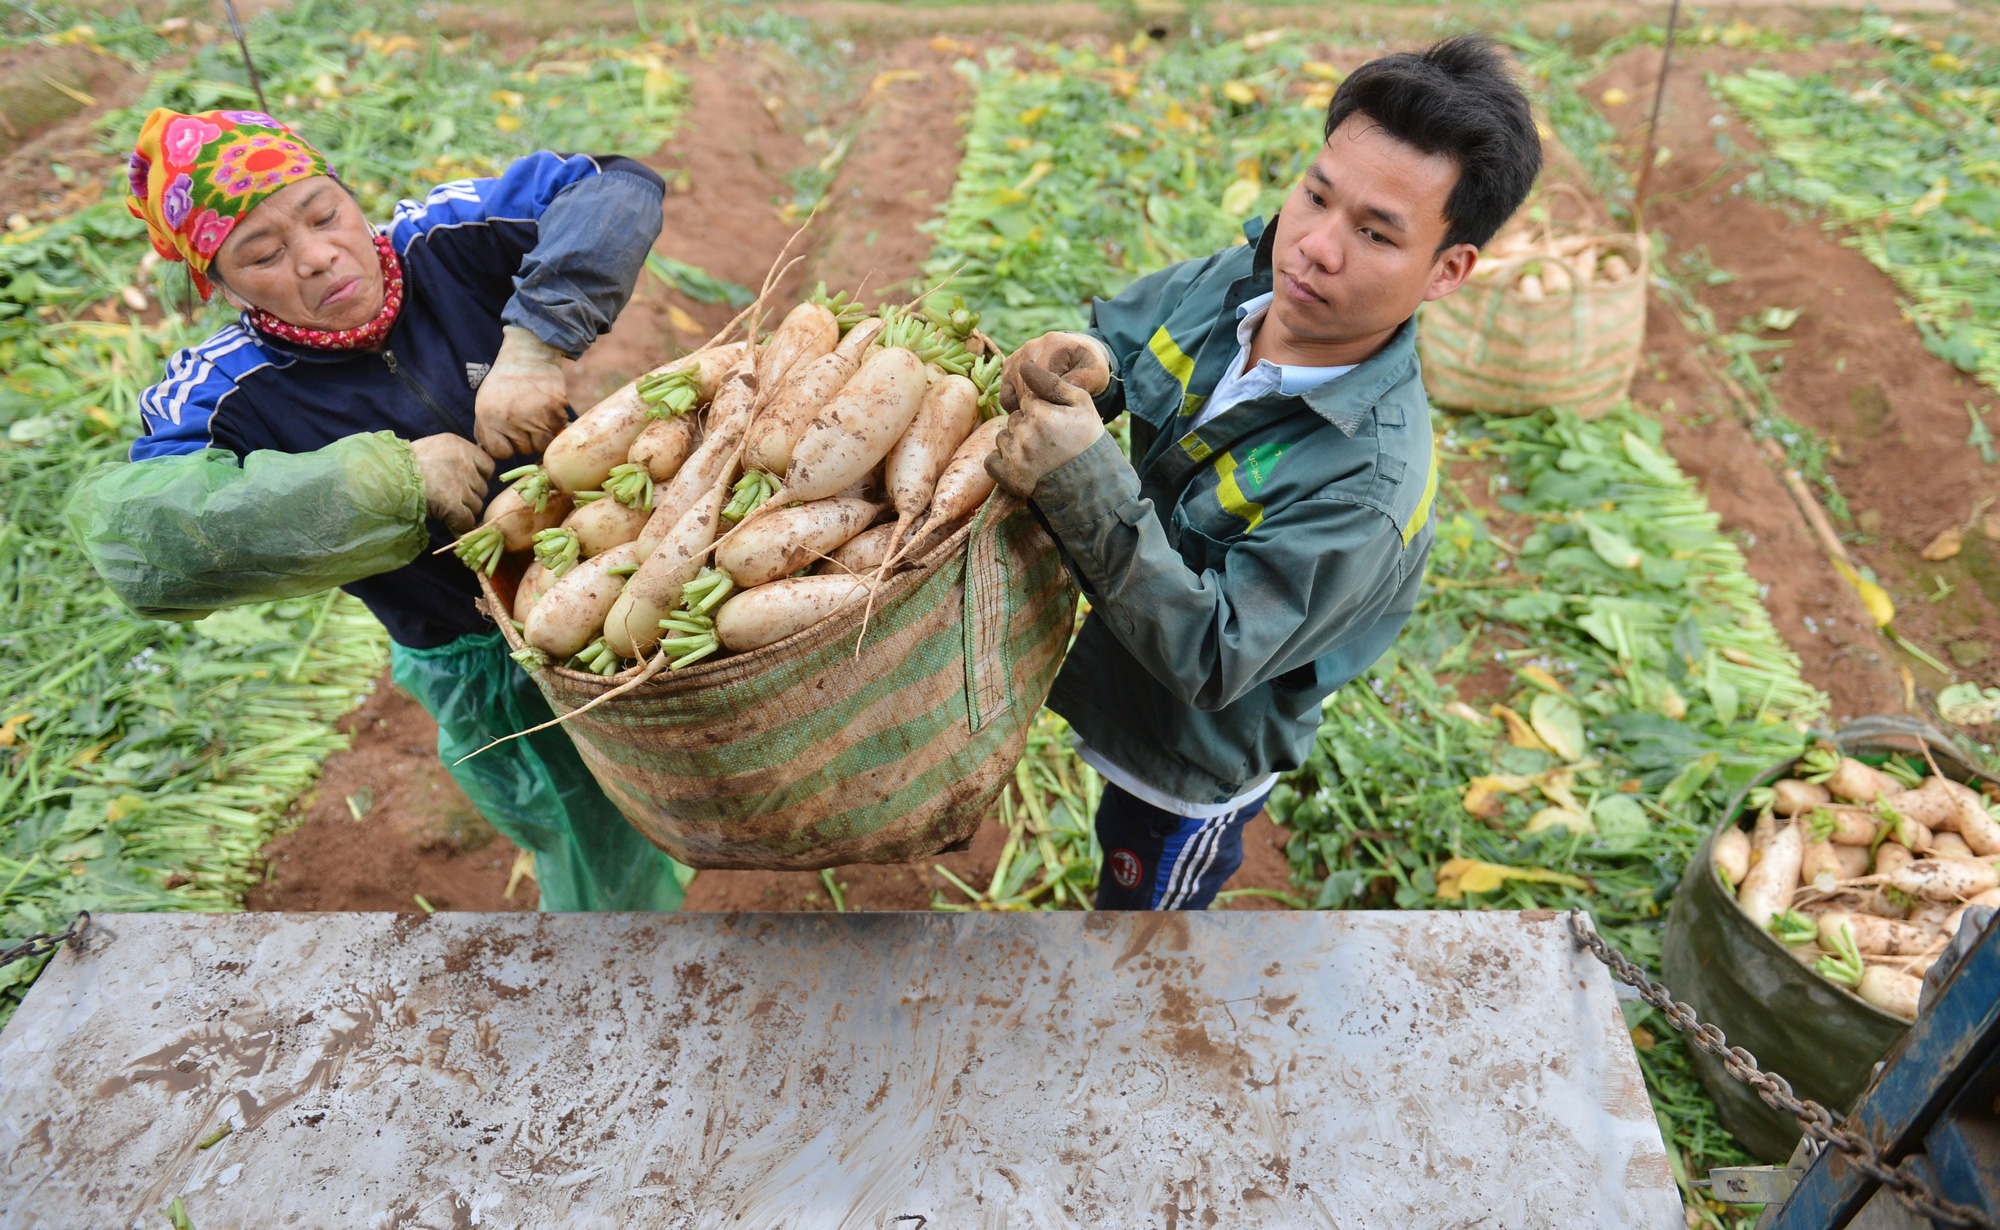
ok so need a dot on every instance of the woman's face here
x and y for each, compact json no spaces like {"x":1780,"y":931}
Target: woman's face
{"x":305,"y":255}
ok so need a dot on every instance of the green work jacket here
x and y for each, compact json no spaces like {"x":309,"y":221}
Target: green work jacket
{"x":1237,"y":575}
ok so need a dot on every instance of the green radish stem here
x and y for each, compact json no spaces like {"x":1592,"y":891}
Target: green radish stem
{"x":755,"y":487}
{"x":706,"y":591}
{"x":596,"y":658}
{"x":1902,"y":772}
{"x":631,"y":484}
{"x":1846,"y":967}
{"x":557,"y":549}
{"x":1760,"y":799}
{"x":1793,"y":928}
{"x":532,"y":484}
{"x":531,"y":657}
{"x":1820,"y":764}
{"x":847,"y":310}
{"x":960,"y":321}
{"x":482,"y":548}
{"x":985,"y":376}
{"x":693,"y":639}
{"x":668,"y":394}
{"x":587,"y":497}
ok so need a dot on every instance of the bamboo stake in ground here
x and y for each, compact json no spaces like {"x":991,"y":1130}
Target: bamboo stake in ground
{"x":1653,"y":125}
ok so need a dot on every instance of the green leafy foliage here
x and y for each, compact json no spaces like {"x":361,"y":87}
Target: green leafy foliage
{"x":143,"y":764}
{"x":1910,"y":162}
{"x":1092,"y":170}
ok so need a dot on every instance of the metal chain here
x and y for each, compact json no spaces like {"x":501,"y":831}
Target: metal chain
{"x":41,"y":942}
{"x":1817,"y":1121}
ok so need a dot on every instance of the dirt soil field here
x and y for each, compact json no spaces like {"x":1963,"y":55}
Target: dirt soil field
{"x":1856,"y":373}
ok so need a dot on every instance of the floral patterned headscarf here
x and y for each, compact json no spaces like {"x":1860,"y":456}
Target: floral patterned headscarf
{"x":194,"y":177}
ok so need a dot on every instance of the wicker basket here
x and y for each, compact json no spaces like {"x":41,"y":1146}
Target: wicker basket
{"x":831,"y":747}
{"x":1491,"y":348}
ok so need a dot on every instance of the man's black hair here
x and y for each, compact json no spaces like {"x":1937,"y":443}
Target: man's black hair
{"x":1457,"y":99}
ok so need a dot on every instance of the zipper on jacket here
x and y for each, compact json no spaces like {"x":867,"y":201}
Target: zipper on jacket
{"x":416,"y":386}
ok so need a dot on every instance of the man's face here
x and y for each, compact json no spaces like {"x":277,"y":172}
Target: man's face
{"x":1357,"y":246}
{"x":305,"y":255}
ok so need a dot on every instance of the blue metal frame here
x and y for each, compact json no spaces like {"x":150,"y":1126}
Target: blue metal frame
{"x":1935,"y":1097}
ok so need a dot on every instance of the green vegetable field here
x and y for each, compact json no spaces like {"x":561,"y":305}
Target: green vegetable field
{"x":1600,"y":660}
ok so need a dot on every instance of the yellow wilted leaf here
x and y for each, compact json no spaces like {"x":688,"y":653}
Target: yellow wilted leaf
{"x":945,"y":45}
{"x":10,"y":730}
{"x":1262,"y":39}
{"x":1880,"y":608}
{"x":1033,"y":114}
{"x":401,"y":42}
{"x":507,"y":123}
{"x":1239,"y":196}
{"x":1466,"y":713}
{"x":1555,"y":785}
{"x":1542,"y":679}
{"x":896,"y":76}
{"x":1519,"y":733}
{"x":1175,"y":117}
{"x":1131,"y":132}
{"x":1557,"y":723}
{"x":1945,"y":62}
{"x":325,"y":86}
{"x":1482,"y":796}
{"x":682,"y":322}
{"x":1322,"y":70}
{"x":1929,"y":200}
{"x":1242,"y":93}
{"x":1465,"y":875}
{"x":122,"y":806}
{"x":1615,"y":97}
{"x":1034,"y":175}
{"x":508,"y":98}
{"x":1568,"y":817}
{"x":90,"y":754}
{"x":657,"y":84}
{"x":1945,"y":545}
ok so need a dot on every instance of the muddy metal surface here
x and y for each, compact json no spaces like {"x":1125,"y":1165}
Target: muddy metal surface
{"x":862,"y":1070}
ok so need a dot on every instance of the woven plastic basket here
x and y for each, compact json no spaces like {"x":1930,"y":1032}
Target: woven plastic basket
{"x":1490,"y":348}
{"x":830,"y":747}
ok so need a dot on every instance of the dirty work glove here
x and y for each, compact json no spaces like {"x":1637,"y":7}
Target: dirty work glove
{"x":1056,"y":422}
{"x":454,"y":471}
{"x":1077,"y":358}
{"x":523,"y":401}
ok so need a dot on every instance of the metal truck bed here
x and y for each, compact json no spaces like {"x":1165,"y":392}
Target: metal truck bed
{"x":1349,"y":1070}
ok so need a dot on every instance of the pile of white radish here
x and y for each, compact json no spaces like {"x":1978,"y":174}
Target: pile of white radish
{"x":1864,"y":873}
{"x":731,"y":498}
{"x":1540,"y":268}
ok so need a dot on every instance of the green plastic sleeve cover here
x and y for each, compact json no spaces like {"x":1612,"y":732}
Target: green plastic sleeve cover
{"x":179,"y":537}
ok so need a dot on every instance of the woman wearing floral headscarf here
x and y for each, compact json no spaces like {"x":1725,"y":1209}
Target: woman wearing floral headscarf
{"x":348,"y":423}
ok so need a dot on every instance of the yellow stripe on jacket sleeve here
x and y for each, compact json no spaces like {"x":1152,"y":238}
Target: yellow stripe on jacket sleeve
{"x":1171,"y":357}
{"x":1422,"y":515}
{"x":1229,"y":494}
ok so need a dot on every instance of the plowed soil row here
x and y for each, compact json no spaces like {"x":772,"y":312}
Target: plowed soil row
{"x":1855,"y":372}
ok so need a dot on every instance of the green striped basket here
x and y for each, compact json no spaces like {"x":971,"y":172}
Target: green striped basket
{"x":833,"y":746}
{"x":1490,"y":349}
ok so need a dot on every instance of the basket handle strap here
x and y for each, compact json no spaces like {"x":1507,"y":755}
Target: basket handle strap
{"x":983,"y":628}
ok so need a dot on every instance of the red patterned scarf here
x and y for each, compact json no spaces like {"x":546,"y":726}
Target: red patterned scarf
{"x":361,"y":336}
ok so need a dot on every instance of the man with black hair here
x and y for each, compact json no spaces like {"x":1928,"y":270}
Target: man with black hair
{"x":1266,"y":541}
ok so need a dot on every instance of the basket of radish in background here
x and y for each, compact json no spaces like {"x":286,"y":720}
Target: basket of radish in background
{"x":1805,"y":924}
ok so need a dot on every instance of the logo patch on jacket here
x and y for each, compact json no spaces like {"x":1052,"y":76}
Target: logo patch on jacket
{"x":475,"y":374}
